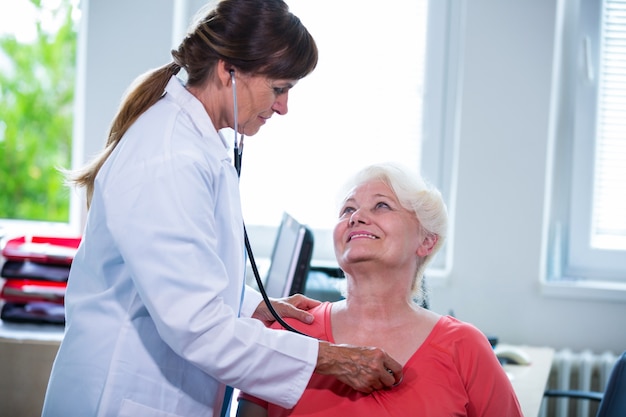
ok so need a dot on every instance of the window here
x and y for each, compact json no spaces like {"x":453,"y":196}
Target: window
{"x":588,"y":226}
{"x":37,"y":62}
{"x":364,"y":103}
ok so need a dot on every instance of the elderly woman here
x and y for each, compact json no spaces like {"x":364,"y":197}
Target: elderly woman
{"x":390,"y":226}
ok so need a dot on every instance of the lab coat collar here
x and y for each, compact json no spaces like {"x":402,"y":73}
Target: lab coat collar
{"x":176,"y":91}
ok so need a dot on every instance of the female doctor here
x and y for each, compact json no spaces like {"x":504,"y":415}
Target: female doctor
{"x":157,"y":316}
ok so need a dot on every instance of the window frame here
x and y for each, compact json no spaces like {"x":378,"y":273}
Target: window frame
{"x":442,"y":101}
{"x":571,"y":267}
{"x":440,"y":141}
{"x":583,"y":259}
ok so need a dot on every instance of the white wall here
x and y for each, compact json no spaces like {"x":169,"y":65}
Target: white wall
{"x":504,"y":131}
{"x":119,"y":41}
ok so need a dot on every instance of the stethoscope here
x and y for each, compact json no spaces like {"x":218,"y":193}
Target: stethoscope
{"x":238,"y":153}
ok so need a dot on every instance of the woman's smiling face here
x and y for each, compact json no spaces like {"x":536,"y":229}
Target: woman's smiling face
{"x":373,"y":225}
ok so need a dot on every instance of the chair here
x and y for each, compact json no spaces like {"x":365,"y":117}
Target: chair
{"x":612,"y":401}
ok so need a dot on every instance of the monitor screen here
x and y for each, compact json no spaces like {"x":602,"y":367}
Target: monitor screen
{"x":291,"y":258}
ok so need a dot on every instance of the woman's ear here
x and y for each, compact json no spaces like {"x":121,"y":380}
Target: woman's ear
{"x":224,"y":73}
{"x":428,"y":244}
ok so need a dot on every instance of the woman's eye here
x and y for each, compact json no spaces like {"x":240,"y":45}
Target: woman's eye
{"x":346,"y":210}
{"x":279,"y":90}
{"x":382,"y":205}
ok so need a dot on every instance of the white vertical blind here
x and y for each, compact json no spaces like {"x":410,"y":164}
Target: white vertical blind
{"x":609,"y":198}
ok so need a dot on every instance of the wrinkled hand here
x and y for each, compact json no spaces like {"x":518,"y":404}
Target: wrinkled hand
{"x":365,"y":369}
{"x":295,"y":306}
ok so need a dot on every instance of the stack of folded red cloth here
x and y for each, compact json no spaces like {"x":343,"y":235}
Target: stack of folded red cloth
{"x":35,"y":271}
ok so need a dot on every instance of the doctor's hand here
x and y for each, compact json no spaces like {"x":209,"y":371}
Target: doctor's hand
{"x":365,"y":369}
{"x":295,"y":306}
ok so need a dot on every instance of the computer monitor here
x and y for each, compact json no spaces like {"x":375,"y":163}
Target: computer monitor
{"x":291,"y":258}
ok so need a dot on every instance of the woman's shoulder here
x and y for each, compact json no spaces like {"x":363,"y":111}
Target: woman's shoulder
{"x":452,"y":332}
{"x":320,"y":328}
{"x":457,"y":343}
{"x":322,"y":311}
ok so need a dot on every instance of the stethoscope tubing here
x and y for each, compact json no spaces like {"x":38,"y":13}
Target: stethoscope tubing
{"x":238,"y":156}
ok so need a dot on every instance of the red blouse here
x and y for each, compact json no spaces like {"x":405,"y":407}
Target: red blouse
{"x":453,"y":373}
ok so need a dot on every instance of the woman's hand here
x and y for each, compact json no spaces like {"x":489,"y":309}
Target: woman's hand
{"x":364,"y":369}
{"x":295,"y":306}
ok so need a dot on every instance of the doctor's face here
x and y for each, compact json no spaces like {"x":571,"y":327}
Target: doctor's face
{"x":258,"y":99}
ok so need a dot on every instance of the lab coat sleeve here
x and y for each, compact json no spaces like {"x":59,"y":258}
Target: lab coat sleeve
{"x":177,"y":222}
{"x":251,"y":301}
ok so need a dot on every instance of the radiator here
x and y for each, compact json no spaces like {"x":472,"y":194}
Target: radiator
{"x":585,"y":371}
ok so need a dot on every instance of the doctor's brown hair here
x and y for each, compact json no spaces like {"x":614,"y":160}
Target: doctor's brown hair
{"x":257,"y":37}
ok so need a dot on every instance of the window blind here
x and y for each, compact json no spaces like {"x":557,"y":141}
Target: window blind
{"x":609,"y":198}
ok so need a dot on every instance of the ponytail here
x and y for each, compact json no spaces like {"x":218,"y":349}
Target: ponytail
{"x":145,"y":91}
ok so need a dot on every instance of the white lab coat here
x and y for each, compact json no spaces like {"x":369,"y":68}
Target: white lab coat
{"x":156,"y":285}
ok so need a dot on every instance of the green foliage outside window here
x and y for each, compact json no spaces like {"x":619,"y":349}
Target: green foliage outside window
{"x":36,"y":116}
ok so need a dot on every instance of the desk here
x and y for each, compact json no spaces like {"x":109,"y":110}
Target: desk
{"x":529,"y":381}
